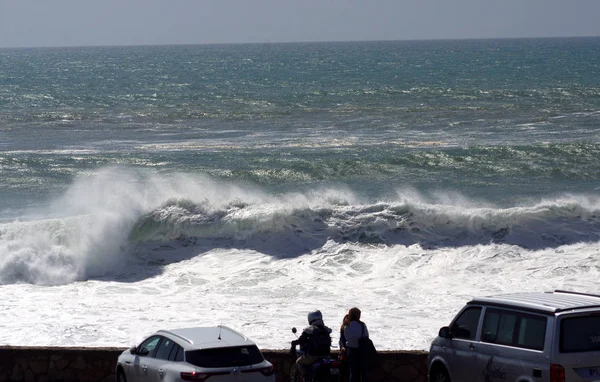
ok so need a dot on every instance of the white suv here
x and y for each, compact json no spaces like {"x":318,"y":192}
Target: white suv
{"x":194,"y":354}
{"x":522,"y":337}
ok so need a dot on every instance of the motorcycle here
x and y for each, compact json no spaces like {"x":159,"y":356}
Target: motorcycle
{"x":326,"y":369}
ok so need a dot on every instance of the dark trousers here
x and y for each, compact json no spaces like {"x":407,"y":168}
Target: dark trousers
{"x":358,"y":370}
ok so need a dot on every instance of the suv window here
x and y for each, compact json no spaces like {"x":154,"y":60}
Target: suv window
{"x":532,"y":332}
{"x":465,"y":325}
{"x":164,"y":349}
{"x":176,"y":354}
{"x":150,"y":344}
{"x":499,"y":326}
{"x":512,"y":328}
{"x":580,"y":334}
{"x":224,"y":357}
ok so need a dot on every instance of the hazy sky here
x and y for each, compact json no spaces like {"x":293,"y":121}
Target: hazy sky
{"x":25,"y":23}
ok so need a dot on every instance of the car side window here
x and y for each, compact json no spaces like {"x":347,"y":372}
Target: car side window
{"x":499,"y":327}
{"x":176,"y":354}
{"x":489,"y":332}
{"x":164,"y":349}
{"x":512,"y":328}
{"x":532,"y":332}
{"x":150,"y":344}
{"x":465,"y":325}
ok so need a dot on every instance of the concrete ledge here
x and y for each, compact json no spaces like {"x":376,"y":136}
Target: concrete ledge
{"x":60,"y":364}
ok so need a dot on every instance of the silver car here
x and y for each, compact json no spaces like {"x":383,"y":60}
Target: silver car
{"x":522,"y":337}
{"x":218,"y":354}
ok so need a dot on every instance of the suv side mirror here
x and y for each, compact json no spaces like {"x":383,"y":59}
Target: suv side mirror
{"x":445,"y":332}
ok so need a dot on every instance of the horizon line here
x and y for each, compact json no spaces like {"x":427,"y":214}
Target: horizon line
{"x":298,"y":42}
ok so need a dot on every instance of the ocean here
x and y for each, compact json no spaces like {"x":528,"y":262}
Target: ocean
{"x":155,"y":187}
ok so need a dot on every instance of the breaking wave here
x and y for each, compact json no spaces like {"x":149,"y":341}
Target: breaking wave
{"x":547,"y":224}
{"x":116,"y":218}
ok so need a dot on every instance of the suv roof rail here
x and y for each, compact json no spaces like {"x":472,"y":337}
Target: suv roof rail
{"x":174,"y":334}
{"x":577,"y":293}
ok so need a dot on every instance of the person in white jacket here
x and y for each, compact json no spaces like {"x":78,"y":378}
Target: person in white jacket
{"x":353,"y":332}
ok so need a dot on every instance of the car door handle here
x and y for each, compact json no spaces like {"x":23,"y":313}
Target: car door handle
{"x":472,"y":347}
{"x":161,"y":372}
{"x":145,"y":367}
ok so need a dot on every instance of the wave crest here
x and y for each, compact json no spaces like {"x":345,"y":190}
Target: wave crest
{"x":102,"y":220}
{"x":547,"y":224}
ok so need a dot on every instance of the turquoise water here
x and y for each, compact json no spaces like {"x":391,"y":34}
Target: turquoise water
{"x":494,"y":123}
{"x":249,"y":184}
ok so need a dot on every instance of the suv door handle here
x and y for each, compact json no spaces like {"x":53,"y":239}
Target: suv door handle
{"x":145,"y":367}
{"x":161,"y":372}
{"x":472,"y":347}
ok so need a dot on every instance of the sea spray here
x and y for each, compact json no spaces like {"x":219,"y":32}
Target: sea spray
{"x":101,"y":220}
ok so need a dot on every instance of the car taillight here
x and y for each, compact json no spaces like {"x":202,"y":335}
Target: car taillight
{"x":267,"y":371}
{"x":194,"y":376}
{"x":557,"y":373}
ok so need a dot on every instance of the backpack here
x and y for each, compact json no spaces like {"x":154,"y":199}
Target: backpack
{"x":366,"y":350}
{"x":319,"y":342}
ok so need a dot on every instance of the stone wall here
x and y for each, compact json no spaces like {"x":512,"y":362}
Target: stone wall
{"x":392,"y":366}
{"x":47,"y":364}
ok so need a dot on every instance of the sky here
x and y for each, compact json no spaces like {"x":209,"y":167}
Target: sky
{"x":34,"y":23}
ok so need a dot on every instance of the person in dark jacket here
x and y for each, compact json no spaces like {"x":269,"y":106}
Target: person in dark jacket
{"x":342,"y":341}
{"x":343,"y":356}
{"x":315,"y":342}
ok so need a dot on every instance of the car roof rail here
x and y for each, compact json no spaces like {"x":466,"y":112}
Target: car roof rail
{"x":577,"y":293}
{"x":175,"y":335}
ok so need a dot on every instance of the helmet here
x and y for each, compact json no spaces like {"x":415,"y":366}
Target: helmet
{"x":313,"y":316}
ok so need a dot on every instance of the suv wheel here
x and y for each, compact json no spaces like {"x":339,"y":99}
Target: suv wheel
{"x":121,"y":376}
{"x":439,"y":375}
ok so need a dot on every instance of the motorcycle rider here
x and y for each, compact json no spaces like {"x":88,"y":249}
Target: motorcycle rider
{"x":315,"y":341}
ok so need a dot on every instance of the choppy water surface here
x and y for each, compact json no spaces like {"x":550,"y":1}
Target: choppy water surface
{"x":151,"y":187}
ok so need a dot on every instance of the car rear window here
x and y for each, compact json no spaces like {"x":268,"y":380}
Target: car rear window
{"x":580,"y":334}
{"x":224,"y":357}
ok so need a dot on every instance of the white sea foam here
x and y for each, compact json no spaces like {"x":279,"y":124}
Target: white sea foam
{"x":124,"y":253}
{"x":406,"y":293}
